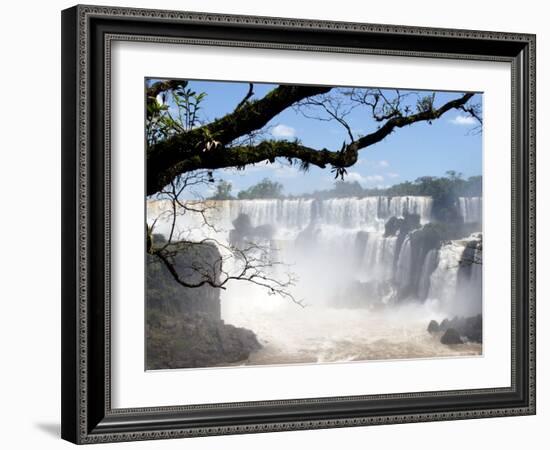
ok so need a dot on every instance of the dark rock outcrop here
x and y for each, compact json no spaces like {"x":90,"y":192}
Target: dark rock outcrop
{"x":468,"y":329}
{"x":472,"y":328}
{"x":183,"y":325}
{"x":400,"y":226}
{"x":245,"y":231}
{"x":444,"y":325}
{"x":451,"y":337}
{"x":422,"y":240}
{"x":433,"y":327}
{"x":392,"y":226}
{"x":165,"y":294}
{"x":184,"y":340}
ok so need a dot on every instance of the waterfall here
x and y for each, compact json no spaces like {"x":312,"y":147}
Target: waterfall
{"x":430,"y":263}
{"x":288,"y":214}
{"x":367,"y":214}
{"x":399,"y":206}
{"x":404,"y":262}
{"x":456,"y":281}
{"x":444,"y":277}
{"x":377,"y":261}
{"x":468,"y":299}
{"x":470,"y":209}
{"x":338,"y":239}
{"x":351,"y":213}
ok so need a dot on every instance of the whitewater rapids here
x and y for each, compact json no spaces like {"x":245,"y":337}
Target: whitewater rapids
{"x":347,"y":245}
{"x":291,"y":334}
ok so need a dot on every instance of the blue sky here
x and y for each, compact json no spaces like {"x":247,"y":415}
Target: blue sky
{"x":406,"y":154}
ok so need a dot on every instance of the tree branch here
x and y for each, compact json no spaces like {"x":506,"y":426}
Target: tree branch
{"x":163,"y":86}
{"x":241,"y":156}
{"x":207,"y":147}
{"x":164,"y":157}
{"x":249,"y":94}
{"x":403,"y":121}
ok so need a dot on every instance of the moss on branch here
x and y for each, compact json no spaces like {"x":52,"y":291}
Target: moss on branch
{"x":207,"y":147}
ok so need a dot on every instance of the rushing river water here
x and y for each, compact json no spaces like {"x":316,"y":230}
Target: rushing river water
{"x":320,"y":334}
{"x":367,"y":296}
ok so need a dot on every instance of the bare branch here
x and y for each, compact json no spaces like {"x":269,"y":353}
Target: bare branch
{"x":241,"y":156}
{"x":331,"y":105}
{"x":248,"y":95}
{"x":164,"y":157}
{"x":249,"y":261}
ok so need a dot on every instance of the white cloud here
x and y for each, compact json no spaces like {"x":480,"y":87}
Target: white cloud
{"x":283,"y":131}
{"x":210,"y":189}
{"x":285,"y":171}
{"x":392,"y":175}
{"x":382,"y":164}
{"x":463,"y":120}
{"x":374,"y":178}
{"x":355,"y":176}
{"x":364,"y":179}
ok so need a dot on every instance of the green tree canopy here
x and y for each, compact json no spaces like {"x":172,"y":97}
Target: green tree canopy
{"x":223,"y":191}
{"x":264,"y":189}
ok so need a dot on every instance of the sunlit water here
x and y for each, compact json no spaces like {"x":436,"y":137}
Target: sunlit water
{"x":292,"y":334}
{"x":332,"y":261}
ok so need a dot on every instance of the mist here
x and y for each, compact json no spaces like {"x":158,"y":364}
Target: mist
{"x":369,"y":275}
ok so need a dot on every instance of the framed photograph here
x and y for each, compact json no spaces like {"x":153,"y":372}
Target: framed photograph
{"x":278,"y":224}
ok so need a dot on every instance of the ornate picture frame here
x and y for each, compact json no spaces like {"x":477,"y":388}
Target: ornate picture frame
{"x":88,"y":415}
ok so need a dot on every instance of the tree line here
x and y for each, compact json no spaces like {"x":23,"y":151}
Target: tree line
{"x":442,"y":189}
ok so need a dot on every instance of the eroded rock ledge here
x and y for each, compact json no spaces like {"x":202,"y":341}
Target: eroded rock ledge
{"x":458,"y":330}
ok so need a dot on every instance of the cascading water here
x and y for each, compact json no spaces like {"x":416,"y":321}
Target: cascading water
{"x":458,"y":298}
{"x":377,"y":258}
{"x":431,"y":261}
{"x":470,"y":209}
{"x":444,"y":278}
{"x":343,"y":257}
{"x":404,"y":263}
{"x":367,"y":214}
{"x":282,"y":214}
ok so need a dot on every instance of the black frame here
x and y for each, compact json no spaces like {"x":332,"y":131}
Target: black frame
{"x":87,"y":416}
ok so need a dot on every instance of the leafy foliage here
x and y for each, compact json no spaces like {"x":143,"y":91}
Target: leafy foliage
{"x":344,"y":189}
{"x":451,"y":186}
{"x":180,"y":140}
{"x":173,"y":111}
{"x":425,"y":103}
{"x":223,"y":191}
{"x":264,"y":189}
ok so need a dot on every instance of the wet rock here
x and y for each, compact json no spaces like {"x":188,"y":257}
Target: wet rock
{"x":191,"y":261}
{"x":451,"y":337}
{"x":195,"y":340}
{"x":401,"y":226}
{"x":444,"y":325}
{"x":433,"y":327}
{"x":472,"y":328}
{"x":469,"y":328}
{"x":244,"y":231}
{"x":392,"y":226}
